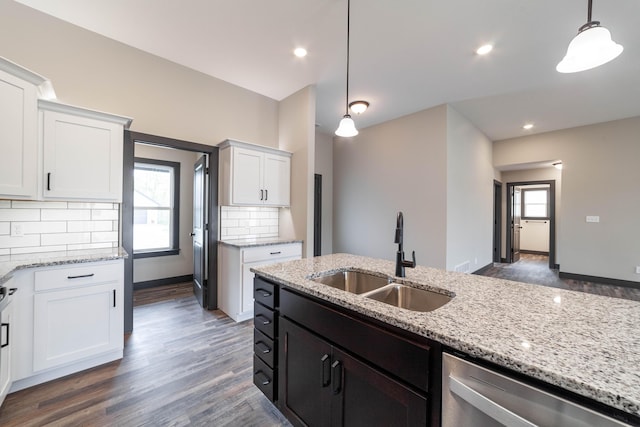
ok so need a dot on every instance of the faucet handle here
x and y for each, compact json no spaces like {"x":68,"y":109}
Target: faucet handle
{"x":413,"y":262}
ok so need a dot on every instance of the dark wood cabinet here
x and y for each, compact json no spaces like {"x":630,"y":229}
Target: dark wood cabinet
{"x":321,"y":385}
{"x":265,"y":339}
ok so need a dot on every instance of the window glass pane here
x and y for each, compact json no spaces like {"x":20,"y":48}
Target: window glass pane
{"x":535,"y":196}
{"x":535,"y":211}
{"x":151,"y":229}
{"x":152,"y":187}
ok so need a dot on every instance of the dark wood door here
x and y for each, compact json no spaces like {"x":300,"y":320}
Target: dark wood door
{"x":199,"y":231}
{"x":304,"y":376}
{"x":366,"y":397}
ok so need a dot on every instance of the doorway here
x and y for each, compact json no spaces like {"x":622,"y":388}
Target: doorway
{"x":205,"y":265}
{"x":516,"y":208}
{"x":497,"y":221}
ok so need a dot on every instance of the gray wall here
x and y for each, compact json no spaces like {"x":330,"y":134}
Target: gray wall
{"x":600,"y":177}
{"x":324,"y":167}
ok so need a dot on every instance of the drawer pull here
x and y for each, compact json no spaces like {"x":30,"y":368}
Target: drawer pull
{"x":265,"y":293}
{"x":266,"y":380}
{"x":265,"y":348}
{"x":80,"y":277}
{"x":275,"y":253}
{"x":266,"y":320}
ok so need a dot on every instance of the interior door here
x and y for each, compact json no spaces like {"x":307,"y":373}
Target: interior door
{"x":515,"y":224}
{"x":199,"y":232}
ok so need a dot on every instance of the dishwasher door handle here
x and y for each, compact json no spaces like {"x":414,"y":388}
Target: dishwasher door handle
{"x":486,"y":405}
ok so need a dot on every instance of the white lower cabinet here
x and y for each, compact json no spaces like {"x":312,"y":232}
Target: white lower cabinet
{"x":67,"y":319}
{"x":6,"y":339}
{"x":235,"y":279}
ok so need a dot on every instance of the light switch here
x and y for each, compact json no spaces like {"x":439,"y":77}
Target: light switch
{"x":593,"y":218}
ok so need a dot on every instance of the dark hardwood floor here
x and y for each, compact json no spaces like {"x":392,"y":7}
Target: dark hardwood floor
{"x":182,"y":366}
{"x":535,"y":269}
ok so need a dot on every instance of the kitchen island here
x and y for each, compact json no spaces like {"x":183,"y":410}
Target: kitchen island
{"x":583,"y":343}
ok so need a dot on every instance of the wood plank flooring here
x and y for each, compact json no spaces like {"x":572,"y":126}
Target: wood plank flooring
{"x":182,"y":366}
{"x":535,"y":269}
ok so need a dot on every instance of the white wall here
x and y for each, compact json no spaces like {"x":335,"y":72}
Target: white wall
{"x":324,"y":167}
{"x":163,"y":98}
{"x":174,"y":265}
{"x":396,"y":166}
{"x":600,"y":177}
{"x":297,"y":135}
{"x":470,"y":177}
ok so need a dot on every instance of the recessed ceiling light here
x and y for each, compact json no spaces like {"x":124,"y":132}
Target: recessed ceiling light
{"x":483,"y":50}
{"x":528,"y":126}
{"x":300,"y":52}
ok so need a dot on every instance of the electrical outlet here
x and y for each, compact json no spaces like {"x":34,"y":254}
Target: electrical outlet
{"x":637,"y":269}
{"x":593,"y":218}
{"x":16,"y":230}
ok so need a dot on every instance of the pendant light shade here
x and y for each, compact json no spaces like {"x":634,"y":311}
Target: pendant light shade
{"x":590,"y":48}
{"x":347,"y":127}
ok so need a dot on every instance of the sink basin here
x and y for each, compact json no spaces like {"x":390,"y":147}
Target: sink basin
{"x":355,"y":282}
{"x":404,"y":296}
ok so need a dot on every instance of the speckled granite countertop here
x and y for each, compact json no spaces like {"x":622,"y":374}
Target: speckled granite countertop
{"x":8,"y":264}
{"x":584,"y":343}
{"x":267,"y":241}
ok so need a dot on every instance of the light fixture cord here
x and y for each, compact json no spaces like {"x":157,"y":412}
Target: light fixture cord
{"x":348,"y":25}
{"x":589,"y":11}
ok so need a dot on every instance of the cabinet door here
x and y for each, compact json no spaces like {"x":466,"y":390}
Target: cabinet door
{"x":76,"y":323}
{"x":304,"y":393}
{"x":82,"y":158}
{"x":247,"y":177}
{"x":6,"y":318}
{"x":365,"y":396}
{"x":18,"y":137}
{"x":277,"y":180}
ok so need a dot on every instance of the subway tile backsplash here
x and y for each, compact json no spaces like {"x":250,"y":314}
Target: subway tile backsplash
{"x":248,"y":222}
{"x":30,"y":227}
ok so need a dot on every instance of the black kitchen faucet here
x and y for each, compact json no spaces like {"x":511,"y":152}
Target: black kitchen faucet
{"x":401,"y":263}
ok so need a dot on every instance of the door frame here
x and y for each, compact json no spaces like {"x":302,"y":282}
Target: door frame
{"x":552,"y":218}
{"x":497,"y":221}
{"x":317,"y":214}
{"x":130,"y":138}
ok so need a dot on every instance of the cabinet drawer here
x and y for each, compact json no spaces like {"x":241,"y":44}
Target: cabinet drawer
{"x":264,"y":293}
{"x":263,"y":378}
{"x":264,"y":320}
{"x":67,"y":277}
{"x":264,"y":347}
{"x":265,"y":253}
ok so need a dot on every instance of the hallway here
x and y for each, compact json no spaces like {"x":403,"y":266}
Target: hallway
{"x":535,"y":269}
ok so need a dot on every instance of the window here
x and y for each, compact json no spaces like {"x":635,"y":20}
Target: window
{"x":156,"y":195}
{"x":535,"y":203}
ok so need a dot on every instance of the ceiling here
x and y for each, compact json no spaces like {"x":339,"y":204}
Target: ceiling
{"x":406,"y":55}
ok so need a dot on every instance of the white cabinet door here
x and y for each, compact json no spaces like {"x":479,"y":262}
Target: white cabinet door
{"x":277,"y":177}
{"x":247,"y":177}
{"x":82,"y":158}
{"x":6,"y":318}
{"x":74,"y":324}
{"x":18,"y":137}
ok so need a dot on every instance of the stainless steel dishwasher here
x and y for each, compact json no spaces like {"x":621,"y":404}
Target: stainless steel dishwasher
{"x":475,"y":396}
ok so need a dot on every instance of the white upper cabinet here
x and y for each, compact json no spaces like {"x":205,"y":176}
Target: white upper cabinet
{"x":19,"y":93}
{"x":253,"y":175}
{"x":82,"y":153}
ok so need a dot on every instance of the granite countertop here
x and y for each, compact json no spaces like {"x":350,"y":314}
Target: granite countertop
{"x":584,"y":343}
{"x":8,"y":264}
{"x":264,"y":241}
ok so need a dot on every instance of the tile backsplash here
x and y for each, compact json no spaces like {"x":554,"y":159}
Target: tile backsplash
{"x":248,"y":222}
{"x":29,"y":227}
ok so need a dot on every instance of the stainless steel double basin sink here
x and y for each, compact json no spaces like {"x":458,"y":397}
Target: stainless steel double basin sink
{"x":385,"y":290}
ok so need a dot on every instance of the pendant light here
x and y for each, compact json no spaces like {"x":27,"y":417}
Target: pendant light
{"x":590,"y":48}
{"x":347,"y":127}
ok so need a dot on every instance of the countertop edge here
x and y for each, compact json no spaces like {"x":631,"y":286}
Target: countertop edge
{"x":241,"y":243}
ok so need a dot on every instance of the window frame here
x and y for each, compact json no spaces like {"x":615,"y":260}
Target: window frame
{"x":174,"y":210}
{"x":523,"y":204}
